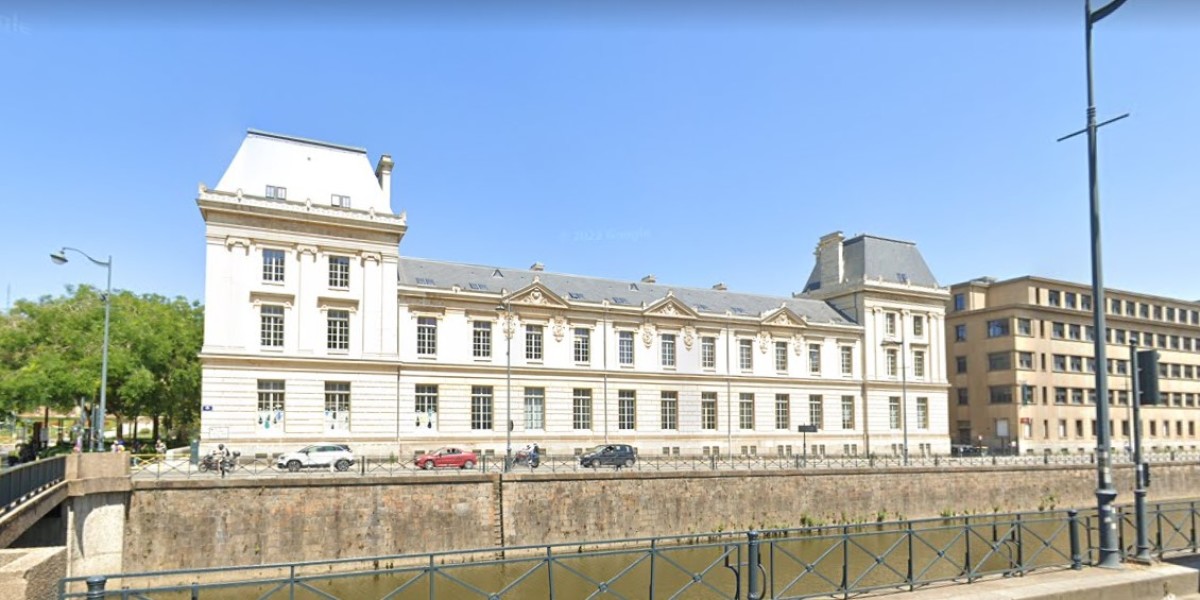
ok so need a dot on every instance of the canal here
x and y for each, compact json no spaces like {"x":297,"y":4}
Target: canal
{"x":794,"y":564}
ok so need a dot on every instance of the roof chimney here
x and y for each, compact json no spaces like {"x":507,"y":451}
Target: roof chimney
{"x":720,"y":287}
{"x":383,"y":172}
{"x":831,"y":266}
{"x":649,"y":279}
{"x":537,"y":266}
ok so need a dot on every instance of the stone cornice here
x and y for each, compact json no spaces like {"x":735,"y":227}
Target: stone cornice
{"x":218,"y":201}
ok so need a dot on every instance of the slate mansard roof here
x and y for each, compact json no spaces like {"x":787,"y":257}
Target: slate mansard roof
{"x":432,"y":274}
{"x":871,"y":258}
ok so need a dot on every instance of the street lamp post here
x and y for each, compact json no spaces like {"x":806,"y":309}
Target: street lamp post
{"x":60,"y":258}
{"x":903,"y":392}
{"x":509,"y":329}
{"x":1106,"y":494}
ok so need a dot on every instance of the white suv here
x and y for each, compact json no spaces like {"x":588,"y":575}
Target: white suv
{"x":317,"y":456}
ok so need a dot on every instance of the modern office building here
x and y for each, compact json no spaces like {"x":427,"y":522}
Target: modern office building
{"x":1022,"y":366}
{"x":317,"y":328}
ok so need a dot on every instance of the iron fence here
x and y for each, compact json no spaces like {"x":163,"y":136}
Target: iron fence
{"x":158,"y":466}
{"x":826,"y":561}
{"x":22,"y":482}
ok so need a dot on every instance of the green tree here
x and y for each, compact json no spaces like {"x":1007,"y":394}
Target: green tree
{"x":50,"y":355}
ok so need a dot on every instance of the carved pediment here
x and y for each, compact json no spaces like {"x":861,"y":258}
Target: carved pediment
{"x":536,"y":294}
{"x":671,"y":307}
{"x":784,"y":317}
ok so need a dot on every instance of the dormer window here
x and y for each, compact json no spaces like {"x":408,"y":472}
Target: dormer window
{"x":278,"y":193}
{"x":340,"y":200}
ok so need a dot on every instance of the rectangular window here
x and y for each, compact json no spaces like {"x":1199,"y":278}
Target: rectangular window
{"x":481,"y":339}
{"x":1025,"y":327}
{"x":426,"y":407}
{"x":1060,"y":363}
{"x":960,"y":302}
{"x":847,"y":412}
{"x":960,"y":364}
{"x":781,"y":356}
{"x":339,"y":272}
{"x":337,"y":406}
{"x":708,"y":410}
{"x":583,"y":345}
{"x":535,"y":408}
{"x":1085,"y":302}
{"x":816,"y":411}
{"x":1069,"y":299}
{"x":997,"y":328}
{"x":1074,"y":332}
{"x":922,"y":413}
{"x":668,"y":350}
{"x":847,"y":360}
{"x":273,"y":265}
{"x":533,"y":342}
{"x":670,"y":411}
{"x":276,"y":192}
{"x":783,"y":414}
{"x":893,"y":362}
{"x":745,"y":354}
{"x":894,"y":412}
{"x":339,"y":200}
{"x":960,"y":333}
{"x":426,"y":336}
{"x":481,"y":407}
{"x":814,"y":359}
{"x":999,"y":361}
{"x":270,"y":404}
{"x":627,"y":410}
{"x":625,"y":347}
{"x":746,"y":411}
{"x":889,"y":320}
{"x":1054,"y":298}
{"x":581,"y":409}
{"x":963,"y":397}
{"x":337,"y":333}
{"x":272,"y":325}
{"x":708,"y":352}
{"x":919,"y":364}
{"x":1025,"y":360}
{"x":1000,"y":394}
{"x":918,"y":322}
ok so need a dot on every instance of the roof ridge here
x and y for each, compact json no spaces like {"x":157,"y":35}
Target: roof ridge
{"x":311,"y":142}
{"x":612,"y":280}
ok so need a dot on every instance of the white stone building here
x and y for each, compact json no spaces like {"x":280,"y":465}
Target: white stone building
{"x":317,"y":329}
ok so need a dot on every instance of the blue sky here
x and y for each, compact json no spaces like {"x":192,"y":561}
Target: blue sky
{"x":700,"y":142}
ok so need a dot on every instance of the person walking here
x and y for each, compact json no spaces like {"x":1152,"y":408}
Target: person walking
{"x":533,"y":457}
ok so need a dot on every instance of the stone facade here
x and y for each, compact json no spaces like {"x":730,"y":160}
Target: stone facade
{"x":318,"y":329}
{"x":270,"y":521}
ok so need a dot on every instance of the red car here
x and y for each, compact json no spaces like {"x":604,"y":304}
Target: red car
{"x":448,"y":457}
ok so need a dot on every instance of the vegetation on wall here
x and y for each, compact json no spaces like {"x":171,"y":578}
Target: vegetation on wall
{"x":50,"y":356}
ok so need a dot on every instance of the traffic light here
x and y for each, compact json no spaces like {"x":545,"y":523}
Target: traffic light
{"x":1147,"y":371}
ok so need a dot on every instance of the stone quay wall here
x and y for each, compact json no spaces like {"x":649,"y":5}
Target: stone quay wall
{"x":208,"y":523}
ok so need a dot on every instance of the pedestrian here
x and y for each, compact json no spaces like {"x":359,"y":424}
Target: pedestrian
{"x":160,"y":447}
{"x":533,"y":457}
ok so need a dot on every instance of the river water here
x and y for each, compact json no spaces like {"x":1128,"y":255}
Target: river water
{"x":794,"y":566}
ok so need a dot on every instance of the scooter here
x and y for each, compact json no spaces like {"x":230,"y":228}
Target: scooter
{"x":523,"y":458}
{"x":209,"y":463}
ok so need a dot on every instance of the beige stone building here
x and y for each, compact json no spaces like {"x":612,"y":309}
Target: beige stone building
{"x":1022,"y":370}
{"x":318,"y":328}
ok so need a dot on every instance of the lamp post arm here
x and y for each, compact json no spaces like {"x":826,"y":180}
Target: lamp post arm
{"x":95,"y":261}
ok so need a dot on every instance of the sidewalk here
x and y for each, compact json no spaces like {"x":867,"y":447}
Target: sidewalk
{"x":1177,"y":579}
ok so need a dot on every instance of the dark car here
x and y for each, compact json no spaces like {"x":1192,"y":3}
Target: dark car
{"x":610,"y":455}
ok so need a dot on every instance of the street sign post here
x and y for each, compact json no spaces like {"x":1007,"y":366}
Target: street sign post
{"x":805,"y":430}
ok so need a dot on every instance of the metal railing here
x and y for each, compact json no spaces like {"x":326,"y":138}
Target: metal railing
{"x":838,"y":561}
{"x":158,"y":466}
{"x":22,"y":483}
